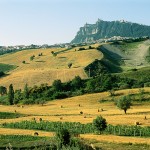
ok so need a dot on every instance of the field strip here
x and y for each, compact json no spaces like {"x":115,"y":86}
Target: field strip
{"x":104,"y":138}
{"x":7,"y":131}
{"x":116,"y":139}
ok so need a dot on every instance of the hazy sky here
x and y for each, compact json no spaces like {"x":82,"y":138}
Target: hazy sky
{"x":57,"y":21}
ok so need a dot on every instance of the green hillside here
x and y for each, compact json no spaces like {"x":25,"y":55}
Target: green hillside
{"x":6,"y":67}
{"x":126,"y":56}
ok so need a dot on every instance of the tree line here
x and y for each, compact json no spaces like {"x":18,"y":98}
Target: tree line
{"x":58,"y":90}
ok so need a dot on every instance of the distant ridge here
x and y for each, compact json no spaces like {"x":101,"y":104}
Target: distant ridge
{"x":107,"y":29}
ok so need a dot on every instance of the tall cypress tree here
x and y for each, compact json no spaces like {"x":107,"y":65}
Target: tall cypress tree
{"x":26,"y":92}
{"x":11,"y":94}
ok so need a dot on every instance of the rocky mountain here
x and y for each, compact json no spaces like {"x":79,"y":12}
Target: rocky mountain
{"x":107,"y":29}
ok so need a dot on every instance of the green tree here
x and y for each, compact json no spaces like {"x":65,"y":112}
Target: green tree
{"x":111,"y":92}
{"x":100,"y":124}
{"x":90,"y":47}
{"x":63,"y":136}
{"x":11,"y":94}
{"x":42,"y":101}
{"x":76,"y":83}
{"x":54,"y":54}
{"x":18,"y":96}
{"x":141,"y":95}
{"x":26,"y":92}
{"x":32,"y":57}
{"x":57,"y":85}
{"x":69,"y":65}
{"x":2,"y":73}
{"x":3,"y":90}
{"x":23,"y":61}
{"x":41,"y":54}
{"x":90,"y":86}
{"x":124,"y":103}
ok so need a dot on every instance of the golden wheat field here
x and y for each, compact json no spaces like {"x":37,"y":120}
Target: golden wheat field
{"x":116,"y":139}
{"x":24,"y":132}
{"x":68,"y":110}
{"x":47,"y":68}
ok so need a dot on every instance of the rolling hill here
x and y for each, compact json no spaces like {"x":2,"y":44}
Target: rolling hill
{"x":46,"y":68}
{"x":116,"y":57}
{"x":126,"y":55}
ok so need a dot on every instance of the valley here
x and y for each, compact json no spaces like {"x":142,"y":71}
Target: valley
{"x":68,"y":88}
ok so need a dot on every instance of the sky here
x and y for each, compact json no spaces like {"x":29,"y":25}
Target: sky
{"x":25,"y":22}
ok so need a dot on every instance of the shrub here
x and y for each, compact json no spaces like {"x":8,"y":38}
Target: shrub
{"x":112,"y":92}
{"x":64,"y":137}
{"x":81,"y":48}
{"x":4,"y":100}
{"x":41,"y":54}
{"x":147,"y":84}
{"x":3,"y":90}
{"x":2,"y":73}
{"x":54,"y":54}
{"x":32,"y":57}
{"x":134,"y":69}
{"x":123,"y":86}
{"x":28,"y":101}
{"x":69,"y":65}
{"x":100,"y":124}
{"x":59,"y":95}
{"x":90,"y":47}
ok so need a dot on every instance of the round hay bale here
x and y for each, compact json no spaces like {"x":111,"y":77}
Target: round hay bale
{"x":36,"y":134}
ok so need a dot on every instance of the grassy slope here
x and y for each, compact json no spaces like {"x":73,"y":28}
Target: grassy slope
{"x":126,"y":55}
{"x":47,"y":68}
{"x":7,"y":115}
{"x":137,"y":75}
{"x":6,"y":67}
{"x":19,"y":140}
